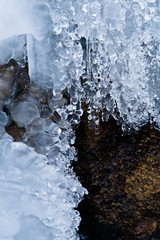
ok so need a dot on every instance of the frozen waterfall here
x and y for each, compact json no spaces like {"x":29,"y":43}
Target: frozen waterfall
{"x":104,"y":53}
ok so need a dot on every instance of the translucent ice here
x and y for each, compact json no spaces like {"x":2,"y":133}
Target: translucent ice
{"x":13,"y":48}
{"x":24,"y":112}
{"x":32,"y":228}
{"x":23,"y":17}
{"x":3,"y":118}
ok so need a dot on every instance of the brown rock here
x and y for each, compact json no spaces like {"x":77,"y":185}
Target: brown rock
{"x":8,"y":77}
{"x":122,"y":175}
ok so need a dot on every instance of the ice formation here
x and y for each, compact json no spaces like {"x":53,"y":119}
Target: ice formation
{"x":104,"y":53}
{"x":37,"y":199}
{"x":39,"y":191}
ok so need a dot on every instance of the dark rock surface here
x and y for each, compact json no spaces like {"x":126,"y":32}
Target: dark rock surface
{"x":8,"y":79}
{"x":122,"y":174}
{"x":16,"y":132}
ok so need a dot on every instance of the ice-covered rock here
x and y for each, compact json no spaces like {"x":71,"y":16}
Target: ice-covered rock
{"x":8,"y":80}
{"x":24,"y":112}
{"x":46,"y":112}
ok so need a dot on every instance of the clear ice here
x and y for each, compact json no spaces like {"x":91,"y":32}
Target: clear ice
{"x":104,"y":53}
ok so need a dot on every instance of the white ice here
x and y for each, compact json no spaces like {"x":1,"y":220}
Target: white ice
{"x":36,"y":199}
{"x":32,"y":20}
{"x":24,"y":17}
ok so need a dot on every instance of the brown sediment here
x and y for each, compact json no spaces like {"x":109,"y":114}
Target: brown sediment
{"x":122,"y":175}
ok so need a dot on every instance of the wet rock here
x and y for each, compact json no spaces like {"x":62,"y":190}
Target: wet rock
{"x":122,"y":174}
{"x":16,"y":132}
{"x":8,"y":80}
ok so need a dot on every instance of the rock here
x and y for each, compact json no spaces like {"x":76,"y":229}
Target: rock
{"x":122,"y":174}
{"x":16,"y":132}
{"x":8,"y":80}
